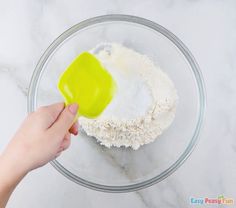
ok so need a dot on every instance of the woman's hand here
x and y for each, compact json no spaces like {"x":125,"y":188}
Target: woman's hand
{"x":42,"y":137}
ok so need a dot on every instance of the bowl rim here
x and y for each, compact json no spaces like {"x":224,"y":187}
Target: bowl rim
{"x":33,"y":87}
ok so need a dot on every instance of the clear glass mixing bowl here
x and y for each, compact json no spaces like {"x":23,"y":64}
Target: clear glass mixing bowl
{"x":88,"y":163}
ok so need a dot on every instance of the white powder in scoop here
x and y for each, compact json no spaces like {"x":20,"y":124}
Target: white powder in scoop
{"x":144,"y":105}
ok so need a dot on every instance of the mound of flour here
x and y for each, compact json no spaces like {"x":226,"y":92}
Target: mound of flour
{"x":144,"y":105}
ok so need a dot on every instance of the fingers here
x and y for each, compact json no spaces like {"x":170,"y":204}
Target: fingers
{"x":64,"y":121}
{"x":58,"y":154}
{"x":49,"y":114}
{"x":74,"y":128}
{"x":66,"y":142}
{"x":64,"y":145}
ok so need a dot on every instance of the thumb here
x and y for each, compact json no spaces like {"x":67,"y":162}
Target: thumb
{"x":65,"y":120}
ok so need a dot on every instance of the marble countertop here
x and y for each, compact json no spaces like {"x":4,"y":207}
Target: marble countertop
{"x":206,"y":27}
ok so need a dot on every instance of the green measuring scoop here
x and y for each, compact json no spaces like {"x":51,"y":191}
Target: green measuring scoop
{"x":87,"y":83}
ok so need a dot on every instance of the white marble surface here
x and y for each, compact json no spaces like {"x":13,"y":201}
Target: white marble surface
{"x":206,"y":27}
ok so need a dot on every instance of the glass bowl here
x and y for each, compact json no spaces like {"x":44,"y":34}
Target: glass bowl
{"x":94,"y":166}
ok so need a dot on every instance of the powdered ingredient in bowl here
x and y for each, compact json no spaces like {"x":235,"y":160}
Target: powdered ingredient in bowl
{"x":144,"y":105}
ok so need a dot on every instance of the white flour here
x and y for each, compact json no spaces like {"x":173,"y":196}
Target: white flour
{"x":144,"y":105}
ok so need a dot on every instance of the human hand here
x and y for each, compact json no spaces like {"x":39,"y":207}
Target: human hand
{"x":42,"y":137}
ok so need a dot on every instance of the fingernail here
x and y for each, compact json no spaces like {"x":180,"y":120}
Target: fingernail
{"x":73,"y":108}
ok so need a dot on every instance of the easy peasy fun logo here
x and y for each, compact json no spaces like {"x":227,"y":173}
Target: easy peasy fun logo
{"x":219,"y":200}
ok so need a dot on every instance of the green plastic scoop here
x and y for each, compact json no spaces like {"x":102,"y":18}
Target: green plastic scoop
{"x":87,"y":83}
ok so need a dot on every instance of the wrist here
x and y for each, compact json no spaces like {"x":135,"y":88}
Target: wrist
{"x":11,"y":172}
